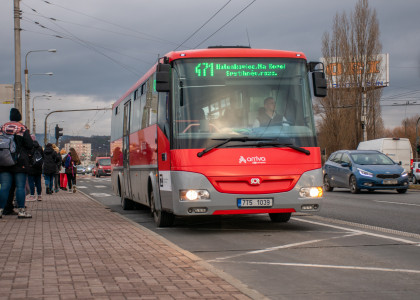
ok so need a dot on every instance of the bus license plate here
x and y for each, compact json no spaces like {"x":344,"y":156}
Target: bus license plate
{"x":251,"y":202}
{"x":390,"y":181}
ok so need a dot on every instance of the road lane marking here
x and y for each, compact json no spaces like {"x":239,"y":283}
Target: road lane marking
{"x":360,"y":231}
{"x":81,"y":187}
{"x":282,"y":247}
{"x":398,"y":203}
{"x":326,"y":266}
{"x":100,"y":186}
{"x":99,"y":194}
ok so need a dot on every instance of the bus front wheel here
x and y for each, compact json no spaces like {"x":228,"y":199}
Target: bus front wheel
{"x":126,"y":203}
{"x":280,"y":218}
{"x":162,"y":218}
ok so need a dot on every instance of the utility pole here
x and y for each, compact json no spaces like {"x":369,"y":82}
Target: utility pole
{"x":18,"y":76}
{"x":364,"y":110}
{"x":68,"y":110}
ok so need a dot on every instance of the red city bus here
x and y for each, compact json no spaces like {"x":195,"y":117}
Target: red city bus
{"x":220,"y":131}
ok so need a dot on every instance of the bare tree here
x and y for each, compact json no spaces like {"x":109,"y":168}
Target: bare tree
{"x":406,"y":130}
{"x":348,"y":52}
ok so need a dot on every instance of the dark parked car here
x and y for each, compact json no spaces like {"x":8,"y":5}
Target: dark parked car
{"x":363,"y":169}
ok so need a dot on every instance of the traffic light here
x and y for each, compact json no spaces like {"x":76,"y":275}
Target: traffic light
{"x":418,"y":148}
{"x":58,"y":132}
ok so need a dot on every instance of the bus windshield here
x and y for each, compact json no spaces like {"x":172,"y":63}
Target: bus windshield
{"x":222,"y":98}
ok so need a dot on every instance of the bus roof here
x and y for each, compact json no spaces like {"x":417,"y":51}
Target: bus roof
{"x":232,"y":52}
{"x":217,"y":52}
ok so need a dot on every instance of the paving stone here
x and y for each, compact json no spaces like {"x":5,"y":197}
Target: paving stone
{"x":73,"y":248}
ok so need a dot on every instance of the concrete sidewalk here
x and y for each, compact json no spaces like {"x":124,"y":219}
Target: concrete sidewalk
{"x":75,"y":248}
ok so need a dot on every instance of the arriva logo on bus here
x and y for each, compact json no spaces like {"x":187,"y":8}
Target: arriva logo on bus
{"x":252,"y":160}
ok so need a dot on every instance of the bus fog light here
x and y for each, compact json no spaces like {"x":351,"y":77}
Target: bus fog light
{"x":192,"y":195}
{"x":197,"y":210}
{"x":310,"y":207}
{"x":311,"y":192}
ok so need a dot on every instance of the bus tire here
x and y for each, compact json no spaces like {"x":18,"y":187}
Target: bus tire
{"x":126,"y":203}
{"x":162,"y":218}
{"x":280,"y":218}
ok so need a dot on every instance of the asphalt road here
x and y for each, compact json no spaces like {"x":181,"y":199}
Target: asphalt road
{"x":363,"y":246}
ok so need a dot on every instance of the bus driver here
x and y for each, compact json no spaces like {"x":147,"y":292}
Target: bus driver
{"x":267,"y":115}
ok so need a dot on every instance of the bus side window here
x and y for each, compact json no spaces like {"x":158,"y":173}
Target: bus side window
{"x":150,"y":105}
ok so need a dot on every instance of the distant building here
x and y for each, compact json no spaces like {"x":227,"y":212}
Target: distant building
{"x":6,"y":101}
{"x":83,"y":150}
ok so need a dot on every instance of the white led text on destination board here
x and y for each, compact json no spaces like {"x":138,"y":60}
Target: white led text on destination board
{"x":238,"y":70}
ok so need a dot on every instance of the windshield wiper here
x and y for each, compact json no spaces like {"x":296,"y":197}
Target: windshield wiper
{"x":278,"y":144}
{"x":261,"y":143}
{"x":233,"y":139}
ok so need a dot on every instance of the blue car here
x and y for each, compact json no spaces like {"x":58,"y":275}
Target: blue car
{"x":363,"y":169}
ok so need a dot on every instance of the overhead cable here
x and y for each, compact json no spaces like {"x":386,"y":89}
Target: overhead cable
{"x":221,"y":27}
{"x":205,"y":23}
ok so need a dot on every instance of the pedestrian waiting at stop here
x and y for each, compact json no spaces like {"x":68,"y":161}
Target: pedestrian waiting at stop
{"x":57,"y":173}
{"x":63,"y":176}
{"x":36,"y":159}
{"x":70,"y":162}
{"x":16,"y":171}
{"x":49,"y":168}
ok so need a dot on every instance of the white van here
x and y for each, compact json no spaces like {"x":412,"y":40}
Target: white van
{"x":398,"y":149}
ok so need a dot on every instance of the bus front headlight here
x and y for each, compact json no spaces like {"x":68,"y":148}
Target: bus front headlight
{"x":193,"y":195}
{"x":311,"y":192}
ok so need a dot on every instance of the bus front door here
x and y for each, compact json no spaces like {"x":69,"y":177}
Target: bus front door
{"x":126,"y":149}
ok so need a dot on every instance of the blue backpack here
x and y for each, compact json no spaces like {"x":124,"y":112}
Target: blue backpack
{"x":67,"y":162}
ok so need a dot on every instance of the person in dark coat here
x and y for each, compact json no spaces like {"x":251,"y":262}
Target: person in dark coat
{"x":34,"y":174}
{"x":18,"y":172}
{"x":49,"y":168}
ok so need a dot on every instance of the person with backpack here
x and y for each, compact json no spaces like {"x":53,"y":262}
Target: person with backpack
{"x":49,"y":167}
{"x":70,"y":162}
{"x":36,"y":158}
{"x":14,"y":163}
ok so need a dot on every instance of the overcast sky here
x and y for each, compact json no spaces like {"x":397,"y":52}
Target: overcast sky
{"x":103,"y":47}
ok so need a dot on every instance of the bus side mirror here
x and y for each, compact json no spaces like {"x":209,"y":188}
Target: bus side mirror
{"x":319,"y":84}
{"x":162,"y":77}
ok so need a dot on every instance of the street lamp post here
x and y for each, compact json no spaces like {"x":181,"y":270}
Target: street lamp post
{"x":33,"y":111}
{"x":27,"y":117}
{"x":27,"y":97}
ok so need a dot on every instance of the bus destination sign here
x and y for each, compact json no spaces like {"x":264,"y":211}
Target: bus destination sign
{"x":239,"y":69}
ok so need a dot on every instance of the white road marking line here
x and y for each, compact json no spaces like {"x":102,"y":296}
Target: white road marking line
{"x":100,"y":186}
{"x":359,"y":231}
{"x":399,"y":203}
{"x":327,"y":266}
{"x":281,"y":247}
{"x":81,"y":187}
{"x":99,"y":194}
